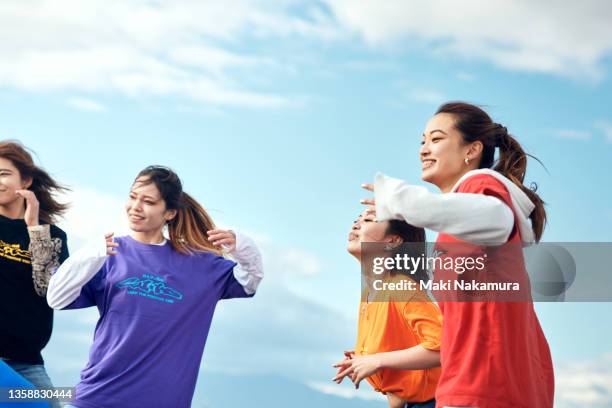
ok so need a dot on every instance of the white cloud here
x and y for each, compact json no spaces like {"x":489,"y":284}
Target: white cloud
{"x":584,"y":384}
{"x":91,"y":214}
{"x":197,"y":50}
{"x":142,"y":48}
{"x":86,"y":105}
{"x":426,"y":96}
{"x":346,"y":391}
{"x":572,"y":134}
{"x":559,"y":37}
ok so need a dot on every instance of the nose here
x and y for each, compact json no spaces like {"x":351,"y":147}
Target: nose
{"x":424,"y":151}
{"x":136,"y":206}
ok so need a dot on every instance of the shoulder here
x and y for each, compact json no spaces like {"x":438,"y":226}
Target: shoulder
{"x":421,"y":307}
{"x":480,"y":181}
{"x":484,"y":183}
{"x":57,"y":232}
{"x":213,"y":260}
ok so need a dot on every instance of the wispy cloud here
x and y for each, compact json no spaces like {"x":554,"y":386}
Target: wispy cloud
{"x":564,"y":38}
{"x":584,"y":384}
{"x":572,"y":134}
{"x":346,"y":391}
{"x":606,"y":128}
{"x":426,"y":96}
{"x":87,"y":105}
{"x":179,"y":48}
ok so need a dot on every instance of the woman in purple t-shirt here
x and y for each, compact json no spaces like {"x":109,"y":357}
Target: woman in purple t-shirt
{"x":156,"y":296}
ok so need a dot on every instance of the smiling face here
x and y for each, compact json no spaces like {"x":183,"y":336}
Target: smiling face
{"x":443,"y":152}
{"x":146,"y":209}
{"x":10,"y":181}
{"x":365,"y":229}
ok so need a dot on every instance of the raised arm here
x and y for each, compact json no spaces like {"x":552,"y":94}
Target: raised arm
{"x":476,"y":218}
{"x":66,"y":284}
{"x":249,"y":271}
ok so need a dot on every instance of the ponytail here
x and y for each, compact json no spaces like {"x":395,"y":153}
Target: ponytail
{"x":512,"y":163}
{"x":188,"y":229}
{"x":476,"y":125}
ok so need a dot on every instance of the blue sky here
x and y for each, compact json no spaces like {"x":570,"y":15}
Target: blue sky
{"x":274,"y":112}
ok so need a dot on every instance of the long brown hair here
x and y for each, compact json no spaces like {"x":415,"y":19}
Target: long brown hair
{"x":188,"y":229}
{"x":43,"y":185}
{"x":475,"y":124}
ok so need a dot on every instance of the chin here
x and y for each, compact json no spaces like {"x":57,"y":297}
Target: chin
{"x":428,"y":177}
{"x":354,"y":248}
{"x":137,"y":228}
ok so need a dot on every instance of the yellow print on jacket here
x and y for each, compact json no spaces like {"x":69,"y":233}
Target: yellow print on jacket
{"x":14,"y":253}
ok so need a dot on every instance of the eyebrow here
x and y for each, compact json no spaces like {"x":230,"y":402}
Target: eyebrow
{"x":6,"y":170}
{"x":436,"y":130}
{"x":145,"y":196}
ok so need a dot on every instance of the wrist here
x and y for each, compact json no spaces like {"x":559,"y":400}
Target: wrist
{"x":39,"y":231}
{"x":379,"y":361}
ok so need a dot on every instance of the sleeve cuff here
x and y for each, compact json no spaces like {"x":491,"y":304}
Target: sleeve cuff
{"x":383,"y":195}
{"x":431,"y":345}
{"x":39,"y":232}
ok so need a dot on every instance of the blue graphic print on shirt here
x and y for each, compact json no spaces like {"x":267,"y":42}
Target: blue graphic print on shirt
{"x":151,"y":286}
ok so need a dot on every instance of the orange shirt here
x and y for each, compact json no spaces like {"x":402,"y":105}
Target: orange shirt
{"x":390,"y":326}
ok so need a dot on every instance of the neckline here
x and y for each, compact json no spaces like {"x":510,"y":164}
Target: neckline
{"x":149,"y":247}
{"x":14,"y":221}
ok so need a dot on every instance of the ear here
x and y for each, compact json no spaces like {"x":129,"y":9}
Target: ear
{"x":26,"y":183}
{"x":475,"y":150}
{"x":396,"y":239}
{"x":170,"y":214}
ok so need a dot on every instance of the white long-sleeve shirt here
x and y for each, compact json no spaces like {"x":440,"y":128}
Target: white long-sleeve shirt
{"x":476,"y":218}
{"x":66,"y":284}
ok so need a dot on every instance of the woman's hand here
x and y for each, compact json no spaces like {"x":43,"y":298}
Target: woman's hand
{"x":357,"y":368}
{"x":368,"y":201}
{"x":110,"y":245}
{"x":32,"y":207}
{"x":225,"y":238}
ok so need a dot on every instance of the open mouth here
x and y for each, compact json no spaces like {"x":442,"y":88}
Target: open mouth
{"x":135,"y":218}
{"x":427,"y":163}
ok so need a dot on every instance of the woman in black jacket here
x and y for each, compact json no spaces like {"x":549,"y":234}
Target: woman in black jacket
{"x":31,"y":247}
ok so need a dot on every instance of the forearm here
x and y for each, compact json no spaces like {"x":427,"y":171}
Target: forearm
{"x":471,"y":217}
{"x":66,"y":284}
{"x":44,"y":253}
{"x":249,"y":271}
{"x":414,"y":358}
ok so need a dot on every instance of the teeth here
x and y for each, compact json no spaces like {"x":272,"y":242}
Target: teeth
{"x":428,"y":163}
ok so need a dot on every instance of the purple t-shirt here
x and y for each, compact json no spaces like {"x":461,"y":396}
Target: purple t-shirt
{"x":156,"y":306}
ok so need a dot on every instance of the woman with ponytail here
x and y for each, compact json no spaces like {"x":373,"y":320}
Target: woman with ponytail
{"x":493,"y":353}
{"x":156,"y":295}
{"x":31,"y":247}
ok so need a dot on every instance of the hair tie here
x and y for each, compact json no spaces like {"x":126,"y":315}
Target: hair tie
{"x":501,"y":135}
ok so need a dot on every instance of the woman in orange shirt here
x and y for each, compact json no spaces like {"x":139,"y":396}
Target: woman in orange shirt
{"x":398,"y":339}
